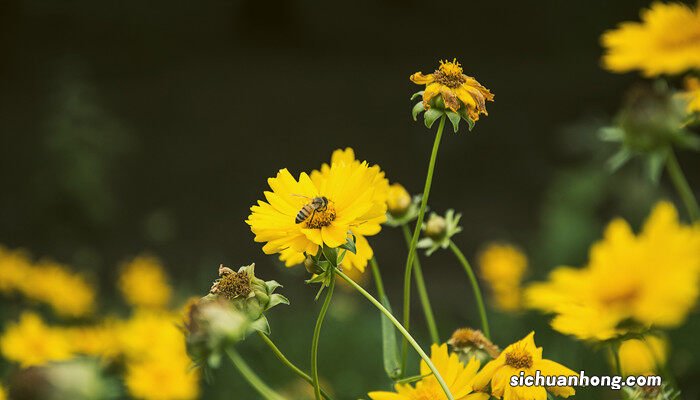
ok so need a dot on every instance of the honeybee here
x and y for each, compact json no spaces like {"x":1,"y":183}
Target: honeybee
{"x":309,"y":210}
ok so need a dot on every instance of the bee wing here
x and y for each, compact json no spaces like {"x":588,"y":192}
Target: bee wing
{"x":301,"y":195}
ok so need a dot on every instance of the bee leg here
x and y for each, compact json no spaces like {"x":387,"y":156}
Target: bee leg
{"x":311,"y":218}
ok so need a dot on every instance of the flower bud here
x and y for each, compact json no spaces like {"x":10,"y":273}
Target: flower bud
{"x":468,"y":343}
{"x":436,"y":227}
{"x":398,"y":200}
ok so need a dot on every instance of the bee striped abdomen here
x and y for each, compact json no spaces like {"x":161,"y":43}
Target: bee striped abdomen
{"x":303,"y":214}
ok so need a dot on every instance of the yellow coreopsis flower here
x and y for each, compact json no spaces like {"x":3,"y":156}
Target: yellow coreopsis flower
{"x":642,"y":356}
{"x":667,"y":41}
{"x":459,"y":378}
{"x":343,"y":199}
{"x":14,"y":268}
{"x":651,"y":278}
{"x":456,"y":89}
{"x":150,"y":334}
{"x":3,"y":396}
{"x":30,"y":342}
{"x":144,"y":283}
{"x":522,"y":356}
{"x":503,"y":266}
{"x":692,"y":94}
{"x":68,"y":293}
{"x":101,"y":340}
{"x":169,"y":377}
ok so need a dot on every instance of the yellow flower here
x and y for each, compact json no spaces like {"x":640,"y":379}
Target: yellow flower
{"x":398,"y":200}
{"x":651,"y":278}
{"x":30,"y":342}
{"x":522,"y":356}
{"x":14,"y":268}
{"x":456,"y":89}
{"x":3,"y":396}
{"x":143,"y":283}
{"x":642,"y":356}
{"x":68,"y":293}
{"x":457,"y":376}
{"x":149,"y":334}
{"x":101,"y":340}
{"x":355,"y":203}
{"x":170,"y":377}
{"x":667,"y":41}
{"x":692,"y":94}
{"x":502,"y":266}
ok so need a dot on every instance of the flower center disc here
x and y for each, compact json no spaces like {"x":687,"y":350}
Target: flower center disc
{"x":450,"y":74}
{"x":319,"y":219}
{"x":519,"y":359}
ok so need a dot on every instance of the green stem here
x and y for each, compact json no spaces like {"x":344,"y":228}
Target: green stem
{"x":280,"y":356}
{"x":253,"y":379}
{"x":475,"y":287}
{"x":682,"y":186}
{"x":377,"y":278}
{"x":422,"y":291}
{"x":401,"y":329}
{"x":414,"y":240}
{"x":317,"y":336}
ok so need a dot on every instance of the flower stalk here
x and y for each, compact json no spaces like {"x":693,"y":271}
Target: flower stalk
{"x":253,"y":379}
{"x":682,"y":187}
{"x":401,"y":329}
{"x":423,"y":292}
{"x":414,"y":241}
{"x":280,"y":356}
{"x":317,"y":336}
{"x":475,"y":287}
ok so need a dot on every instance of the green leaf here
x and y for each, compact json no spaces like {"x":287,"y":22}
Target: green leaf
{"x":417,"y":94}
{"x":331,"y":255}
{"x":411,"y":379}
{"x":619,"y":159}
{"x":417,"y":109}
{"x":432,"y":115}
{"x":454,"y":119}
{"x":350,"y":245}
{"x":471,"y":123}
{"x":655,"y":165}
{"x":390,"y":348}
{"x":261,"y":325}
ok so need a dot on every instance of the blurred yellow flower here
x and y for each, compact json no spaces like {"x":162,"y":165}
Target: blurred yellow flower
{"x":456,"y":89}
{"x":30,"y":342}
{"x":522,"y":356}
{"x":642,"y":356}
{"x":101,"y":340}
{"x":651,"y":278}
{"x":502,"y":267}
{"x":692,"y":94}
{"x":14,"y":268}
{"x":398,"y":200}
{"x":667,"y":41}
{"x":169,"y":377}
{"x":68,"y":293}
{"x":48,"y":282}
{"x":144,"y":283}
{"x":459,"y":378}
{"x":351,"y":200}
{"x":3,"y":396}
{"x":150,"y":334}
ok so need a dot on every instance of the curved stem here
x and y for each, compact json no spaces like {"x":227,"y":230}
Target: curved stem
{"x":401,"y":329}
{"x":253,"y":379}
{"x":422,"y":291}
{"x":475,"y":287}
{"x":280,"y":356}
{"x":682,"y":187}
{"x":317,"y":336}
{"x":414,"y":240}
{"x":377,"y":277}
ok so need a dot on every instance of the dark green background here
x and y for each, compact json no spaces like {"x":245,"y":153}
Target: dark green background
{"x":152,"y":126}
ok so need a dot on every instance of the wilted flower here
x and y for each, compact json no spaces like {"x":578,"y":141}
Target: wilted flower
{"x":665,"y":42}
{"x":503,"y":266}
{"x":522,"y":356}
{"x":143,"y":283}
{"x":439,"y":231}
{"x":449,"y":92}
{"x":234,"y":307}
{"x":30,"y":342}
{"x":458,"y":376}
{"x":650,"y":278}
{"x":468,"y":343}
